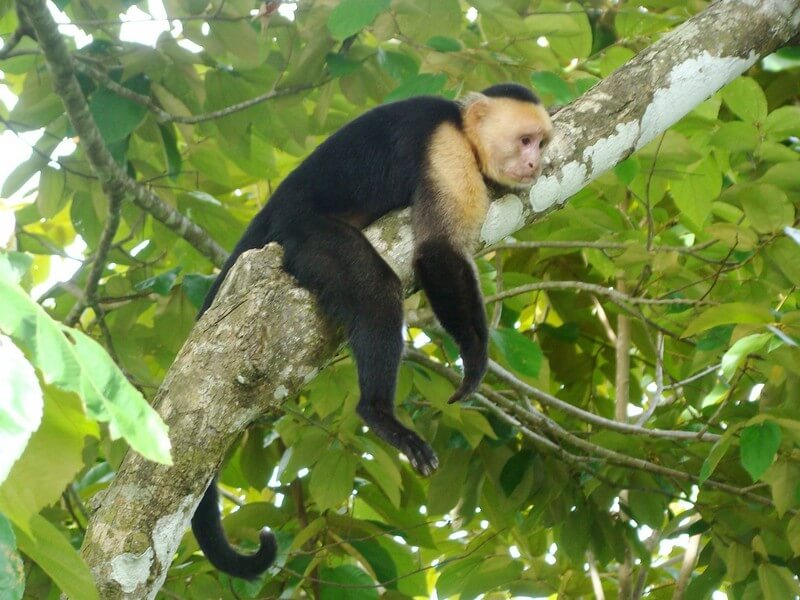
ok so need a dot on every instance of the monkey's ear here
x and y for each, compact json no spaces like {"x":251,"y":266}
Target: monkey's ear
{"x":475,"y":105}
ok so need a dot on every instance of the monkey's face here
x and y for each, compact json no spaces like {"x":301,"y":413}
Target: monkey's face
{"x":509,"y":136}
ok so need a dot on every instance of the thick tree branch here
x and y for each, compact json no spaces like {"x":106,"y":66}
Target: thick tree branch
{"x":263,"y":339}
{"x":114,"y":180}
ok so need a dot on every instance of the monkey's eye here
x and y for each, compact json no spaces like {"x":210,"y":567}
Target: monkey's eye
{"x":526,"y":140}
{"x":542,"y":143}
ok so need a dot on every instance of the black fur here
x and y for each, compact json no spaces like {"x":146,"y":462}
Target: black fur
{"x":511,"y":90}
{"x":373,"y":165}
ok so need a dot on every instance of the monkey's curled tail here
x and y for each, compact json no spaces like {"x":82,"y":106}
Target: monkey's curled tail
{"x":207,"y":528}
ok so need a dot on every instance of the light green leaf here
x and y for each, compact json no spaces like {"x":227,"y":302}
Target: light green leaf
{"x":734,"y":312}
{"x":694,"y":192}
{"x":777,"y":583}
{"x":51,"y":196}
{"x":783,"y":478}
{"x":783,"y":122}
{"x":793,"y":534}
{"x":766,"y":206}
{"x":51,"y":459}
{"x":351,"y":16}
{"x":745,"y":98}
{"x":48,"y":548}
{"x":739,"y":561}
{"x":758,"y":446}
{"x":736,"y":136}
{"x":14,"y":265}
{"x":12,"y":576}
{"x":332,"y":478}
{"x":74,"y":362}
{"x":737,"y":353}
{"x":716,"y":453}
{"x":417,"y":85}
{"x":521,"y":353}
{"x":20,"y":404}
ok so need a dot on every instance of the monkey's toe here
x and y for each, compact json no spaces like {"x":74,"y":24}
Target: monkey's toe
{"x":420,"y":455}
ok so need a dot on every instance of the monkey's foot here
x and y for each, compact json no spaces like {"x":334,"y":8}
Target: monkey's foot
{"x":419,"y":454}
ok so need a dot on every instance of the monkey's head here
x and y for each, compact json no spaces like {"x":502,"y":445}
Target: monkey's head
{"x":508,"y":127}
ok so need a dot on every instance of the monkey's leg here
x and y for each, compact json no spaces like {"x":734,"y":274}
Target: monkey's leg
{"x":356,"y":288}
{"x":448,"y":278}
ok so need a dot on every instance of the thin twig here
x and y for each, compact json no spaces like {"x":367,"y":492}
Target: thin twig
{"x":112,"y":177}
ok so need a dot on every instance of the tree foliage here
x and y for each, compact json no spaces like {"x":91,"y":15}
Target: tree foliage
{"x":685,"y":258}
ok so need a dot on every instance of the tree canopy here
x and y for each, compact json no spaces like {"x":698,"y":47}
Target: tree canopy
{"x":638,"y":431}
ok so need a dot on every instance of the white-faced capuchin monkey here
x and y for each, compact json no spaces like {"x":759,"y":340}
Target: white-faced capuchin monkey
{"x":437,"y":156}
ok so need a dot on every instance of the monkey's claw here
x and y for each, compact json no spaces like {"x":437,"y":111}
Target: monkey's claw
{"x":420,"y":455}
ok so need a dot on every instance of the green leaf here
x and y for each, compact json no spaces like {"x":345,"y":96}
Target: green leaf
{"x":196,"y":286}
{"x":736,"y":136}
{"x":522,"y":354}
{"x":493,"y":573}
{"x":171,"y":152}
{"x":739,"y":561}
{"x":14,"y":265}
{"x":745,"y":98}
{"x":53,"y":456}
{"x":48,"y":548}
{"x":161,"y":284}
{"x":51,"y":196}
{"x":12,"y":576}
{"x":379,"y":559}
{"x":341,"y":65}
{"x":340,"y":581}
{"x":450,"y":476}
{"x":777,"y":583}
{"x":332,"y":478}
{"x":783,"y":478}
{"x":74,"y":362}
{"x":759,"y":444}
{"x":734,"y":312}
{"x":716,"y":453}
{"x":351,"y":16}
{"x":793,"y":534}
{"x":20,"y":404}
{"x":417,"y":85}
{"x":783,"y":122}
{"x":117,"y":117}
{"x":442,"y":43}
{"x":739,"y":352}
{"x":694,"y":192}
{"x":547,"y":82}
{"x":765,"y":205}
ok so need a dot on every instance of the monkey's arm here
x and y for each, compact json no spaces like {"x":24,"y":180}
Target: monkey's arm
{"x":449,"y":279}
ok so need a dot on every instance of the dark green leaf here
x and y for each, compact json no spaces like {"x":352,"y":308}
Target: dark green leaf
{"x":442,"y":43}
{"x":341,"y":65}
{"x":522,"y":354}
{"x":340,"y":581}
{"x":161,"y":284}
{"x":547,"y":82}
{"x":117,"y":117}
{"x":332,"y":478}
{"x":196,"y":286}
{"x":759,"y":444}
{"x":171,"y":152}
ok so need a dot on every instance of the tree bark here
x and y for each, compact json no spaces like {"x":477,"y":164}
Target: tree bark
{"x":263,"y":339}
